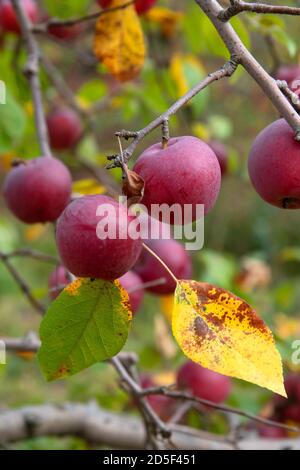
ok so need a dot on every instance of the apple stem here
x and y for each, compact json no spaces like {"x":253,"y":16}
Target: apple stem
{"x":161,"y":262}
{"x":165,"y":133}
{"x":146,"y":285}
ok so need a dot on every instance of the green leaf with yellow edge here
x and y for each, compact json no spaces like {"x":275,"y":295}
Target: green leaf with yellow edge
{"x":87,"y":323}
{"x":223,"y":333}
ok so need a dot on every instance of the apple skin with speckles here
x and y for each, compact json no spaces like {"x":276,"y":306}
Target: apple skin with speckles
{"x":186,"y":171}
{"x":274,"y":165}
{"x":38,"y":190}
{"x":82,"y":251}
{"x":132,"y":283}
{"x":64,"y":128}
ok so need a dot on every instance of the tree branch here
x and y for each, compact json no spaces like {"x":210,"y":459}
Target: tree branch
{"x":226,"y":71}
{"x":31,"y":343}
{"x":238,"y":6}
{"x":182,"y":395}
{"x":44,"y":27}
{"x":293,"y":97}
{"x":236,"y":48}
{"x":65,"y":91}
{"x":28,"y":253}
{"x":22,"y":284}
{"x":119,"y":431}
{"x":32,"y":73}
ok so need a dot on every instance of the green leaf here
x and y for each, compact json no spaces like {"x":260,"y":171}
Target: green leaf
{"x":12,"y":124}
{"x":220,"y":126}
{"x":92,"y":91}
{"x":202,"y":37}
{"x":87,"y":323}
{"x":193,"y":76}
{"x":66,"y":8}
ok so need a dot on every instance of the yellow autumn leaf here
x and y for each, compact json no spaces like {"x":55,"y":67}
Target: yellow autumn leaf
{"x":221,"y":332}
{"x":87,"y":186}
{"x":178,"y":74}
{"x":6,"y":160}
{"x":287,"y":327}
{"x":165,"y":378}
{"x":166,"y":306}
{"x":119,"y":41}
{"x":202,"y":131}
{"x":167,"y":19}
{"x":34,"y":232}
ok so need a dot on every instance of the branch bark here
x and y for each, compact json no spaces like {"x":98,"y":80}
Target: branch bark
{"x":238,"y":6}
{"x":32,"y":73}
{"x":226,"y":71}
{"x":20,"y":281}
{"x":119,"y":431}
{"x":236,"y":48}
{"x":44,"y":27}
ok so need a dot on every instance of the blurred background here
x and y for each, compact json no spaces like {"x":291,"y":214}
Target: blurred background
{"x":251,"y":248}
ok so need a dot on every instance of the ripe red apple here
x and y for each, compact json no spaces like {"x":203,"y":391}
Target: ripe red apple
{"x":185,"y":172}
{"x":141,"y":6}
{"x":290,"y":74}
{"x":104,"y":3}
{"x":152,"y":228}
{"x":162,"y":405}
{"x":203,"y":383}
{"x":65,"y":33}
{"x":274,"y":165}
{"x":221,"y":154}
{"x":271,"y":432}
{"x":173,"y":254}
{"x":64,"y":127}
{"x":8,"y":17}
{"x":58,"y":280}
{"x":292,"y":412}
{"x":38,"y":190}
{"x":132,"y":284}
{"x":82,"y":251}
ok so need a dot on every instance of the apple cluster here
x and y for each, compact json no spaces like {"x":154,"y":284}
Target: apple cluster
{"x":284,"y":410}
{"x":192,"y":378}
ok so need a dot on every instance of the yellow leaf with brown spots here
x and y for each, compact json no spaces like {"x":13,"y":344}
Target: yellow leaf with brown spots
{"x":223,"y":333}
{"x":119,"y":41}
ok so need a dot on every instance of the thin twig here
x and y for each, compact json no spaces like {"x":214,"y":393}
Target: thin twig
{"x":22,"y":284}
{"x":182,"y":395}
{"x":153,"y":423}
{"x":239,"y":6}
{"x":27,"y":252}
{"x":226,"y":71}
{"x":152,"y":253}
{"x":293,"y":97}
{"x":237,"y":49}
{"x":31,"y":71}
{"x":44,"y":27}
